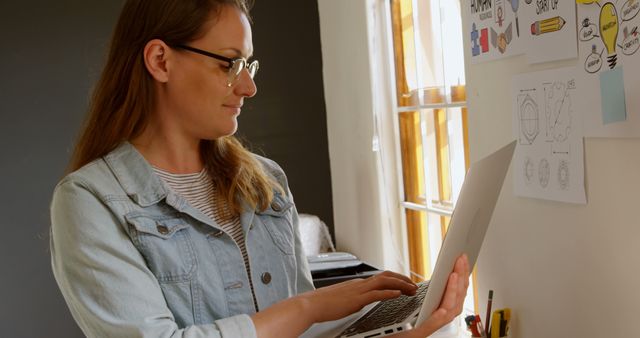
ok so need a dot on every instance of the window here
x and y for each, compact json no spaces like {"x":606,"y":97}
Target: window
{"x":432,"y":123}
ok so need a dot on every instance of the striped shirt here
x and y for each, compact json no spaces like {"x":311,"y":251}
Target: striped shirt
{"x":198,"y":189}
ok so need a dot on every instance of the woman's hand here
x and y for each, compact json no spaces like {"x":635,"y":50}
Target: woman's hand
{"x":293,"y":316}
{"x":450,"y":306}
{"x":340,"y":300}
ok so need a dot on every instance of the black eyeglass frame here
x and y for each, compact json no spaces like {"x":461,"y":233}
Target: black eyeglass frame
{"x":230,"y":61}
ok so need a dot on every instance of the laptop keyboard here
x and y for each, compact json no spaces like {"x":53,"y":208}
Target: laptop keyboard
{"x":388,"y":312}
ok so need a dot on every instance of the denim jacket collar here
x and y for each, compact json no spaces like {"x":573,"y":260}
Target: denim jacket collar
{"x":139,"y":181}
{"x":136,"y":175}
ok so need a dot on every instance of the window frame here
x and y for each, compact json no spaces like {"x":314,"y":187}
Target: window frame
{"x":423,"y":238}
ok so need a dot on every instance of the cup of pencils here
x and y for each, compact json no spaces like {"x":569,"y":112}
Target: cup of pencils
{"x":496,"y":325}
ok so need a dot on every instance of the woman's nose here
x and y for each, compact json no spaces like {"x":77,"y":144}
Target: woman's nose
{"x":245,"y":86}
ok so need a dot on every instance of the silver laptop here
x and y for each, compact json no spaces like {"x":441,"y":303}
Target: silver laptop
{"x":468,"y":226}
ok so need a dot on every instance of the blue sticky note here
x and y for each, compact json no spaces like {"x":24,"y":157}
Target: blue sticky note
{"x":614,"y":108}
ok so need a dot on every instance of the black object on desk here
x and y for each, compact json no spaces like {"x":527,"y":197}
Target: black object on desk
{"x":335,"y":267}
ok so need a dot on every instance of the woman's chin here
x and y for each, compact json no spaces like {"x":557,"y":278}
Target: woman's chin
{"x":223,"y":132}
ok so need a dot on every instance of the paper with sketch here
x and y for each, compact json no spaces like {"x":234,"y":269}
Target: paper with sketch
{"x":549,"y":160}
{"x":549,"y":27}
{"x":609,"y":64}
{"x":494,"y":29}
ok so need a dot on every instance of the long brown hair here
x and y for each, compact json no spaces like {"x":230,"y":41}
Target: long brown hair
{"x":124,"y":97}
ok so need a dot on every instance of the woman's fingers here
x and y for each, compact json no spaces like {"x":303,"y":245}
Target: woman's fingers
{"x":451,"y":304}
{"x":378,"y":295}
{"x":342,"y":299}
{"x":396,"y":275}
{"x":451,"y":295}
{"x":391,"y":282}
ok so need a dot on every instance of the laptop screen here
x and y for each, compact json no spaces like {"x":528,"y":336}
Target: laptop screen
{"x":469,"y":222}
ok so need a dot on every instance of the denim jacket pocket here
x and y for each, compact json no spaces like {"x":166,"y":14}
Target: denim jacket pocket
{"x":165,"y":244}
{"x":277,"y":221}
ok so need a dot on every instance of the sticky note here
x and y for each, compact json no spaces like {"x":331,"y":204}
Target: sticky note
{"x":614,"y":108}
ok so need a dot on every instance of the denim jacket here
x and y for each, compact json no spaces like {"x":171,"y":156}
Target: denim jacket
{"x":134,"y":259}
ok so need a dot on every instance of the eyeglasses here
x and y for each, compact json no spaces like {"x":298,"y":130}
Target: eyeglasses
{"x":236,"y":65}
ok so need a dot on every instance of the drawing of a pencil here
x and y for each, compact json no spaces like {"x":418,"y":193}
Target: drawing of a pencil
{"x":547,"y":25}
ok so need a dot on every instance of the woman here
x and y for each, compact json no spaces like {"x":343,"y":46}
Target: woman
{"x":167,"y":226}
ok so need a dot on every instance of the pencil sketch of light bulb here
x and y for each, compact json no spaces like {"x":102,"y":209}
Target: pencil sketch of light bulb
{"x":609,"y":31}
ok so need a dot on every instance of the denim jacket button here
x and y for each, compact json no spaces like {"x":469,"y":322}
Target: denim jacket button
{"x":162,"y":229}
{"x":266,"y":278}
{"x":276,"y":207}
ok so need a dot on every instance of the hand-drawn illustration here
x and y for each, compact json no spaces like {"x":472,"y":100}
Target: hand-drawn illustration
{"x":499,"y":8}
{"x":547,"y":25}
{"x":544,"y":172}
{"x":593,"y":63}
{"x":609,"y":31}
{"x":563,"y":175}
{"x":631,"y":41}
{"x":491,"y":29}
{"x":479,"y":40}
{"x":529,"y":118}
{"x":630,"y":9}
{"x":503,"y":39}
{"x":475,"y":47}
{"x":611,"y":21}
{"x":548,"y":30}
{"x":484,"y":40}
{"x":514,"y":7}
{"x":588,"y":30}
{"x":609,"y":40}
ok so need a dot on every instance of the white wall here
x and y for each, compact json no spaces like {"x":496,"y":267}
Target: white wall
{"x":566,"y":270}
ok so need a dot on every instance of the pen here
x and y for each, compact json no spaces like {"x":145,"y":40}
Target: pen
{"x":487,"y":322}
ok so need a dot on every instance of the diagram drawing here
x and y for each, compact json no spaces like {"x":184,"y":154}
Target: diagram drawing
{"x":529,"y":170}
{"x":558,"y":109}
{"x":546,"y":111}
{"x":544,"y":172}
{"x":614,"y":30}
{"x":529,"y":119}
{"x":563,"y":175}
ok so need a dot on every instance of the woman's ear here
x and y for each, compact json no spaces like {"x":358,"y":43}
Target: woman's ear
{"x":156,"y":54}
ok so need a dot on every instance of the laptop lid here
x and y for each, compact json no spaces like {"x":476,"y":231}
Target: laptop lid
{"x":469,"y":222}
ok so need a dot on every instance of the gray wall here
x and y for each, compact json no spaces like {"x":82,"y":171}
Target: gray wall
{"x":50,"y":57}
{"x":286,"y":120}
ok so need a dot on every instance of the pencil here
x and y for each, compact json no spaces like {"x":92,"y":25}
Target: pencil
{"x":486,"y":323}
